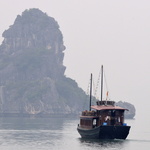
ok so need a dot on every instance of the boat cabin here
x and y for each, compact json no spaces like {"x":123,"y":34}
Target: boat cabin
{"x":105,"y":113}
{"x":104,"y":120}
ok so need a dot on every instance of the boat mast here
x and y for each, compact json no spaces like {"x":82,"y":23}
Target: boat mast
{"x":90,"y":93}
{"x":101,"y":82}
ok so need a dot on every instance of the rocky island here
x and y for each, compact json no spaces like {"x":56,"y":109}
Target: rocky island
{"x":130,"y":114}
{"x":32,"y":79}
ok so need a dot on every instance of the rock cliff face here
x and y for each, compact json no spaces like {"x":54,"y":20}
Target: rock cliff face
{"x":32,"y":80}
{"x":32,"y":77}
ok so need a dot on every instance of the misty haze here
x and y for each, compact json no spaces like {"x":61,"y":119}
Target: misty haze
{"x":48,"y":51}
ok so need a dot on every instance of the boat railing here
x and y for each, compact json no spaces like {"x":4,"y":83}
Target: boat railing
{"x":89,"y":113}
{"x":105,"y":103}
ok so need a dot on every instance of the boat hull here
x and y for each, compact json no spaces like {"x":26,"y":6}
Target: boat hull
{"x":105,"y":132}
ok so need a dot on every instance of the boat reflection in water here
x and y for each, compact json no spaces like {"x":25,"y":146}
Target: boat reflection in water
{"x":104,"y":121}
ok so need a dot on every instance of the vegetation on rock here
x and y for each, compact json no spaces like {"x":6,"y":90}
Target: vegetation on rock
{"x":32,"y":80}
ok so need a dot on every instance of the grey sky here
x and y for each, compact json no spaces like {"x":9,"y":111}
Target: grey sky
{"x":114,"y":33}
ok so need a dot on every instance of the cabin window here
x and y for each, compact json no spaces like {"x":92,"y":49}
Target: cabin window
{"x":94,"y":122}
{"x":109,"y":113}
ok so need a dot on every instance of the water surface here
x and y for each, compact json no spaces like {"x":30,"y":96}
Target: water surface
{"x":61,"y":134}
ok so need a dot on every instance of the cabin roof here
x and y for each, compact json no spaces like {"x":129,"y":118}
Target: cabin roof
{"x":107,"y":107}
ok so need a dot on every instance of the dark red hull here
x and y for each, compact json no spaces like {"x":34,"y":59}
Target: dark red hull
{"x":105,"y":132}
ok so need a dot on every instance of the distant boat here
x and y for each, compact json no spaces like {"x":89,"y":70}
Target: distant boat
{"x":104,"y":121}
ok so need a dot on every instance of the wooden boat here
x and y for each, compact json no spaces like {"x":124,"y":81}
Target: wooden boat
{"x":104,"y":120}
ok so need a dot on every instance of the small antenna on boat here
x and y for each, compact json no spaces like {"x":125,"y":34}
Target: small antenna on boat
{"x":101,"y":82}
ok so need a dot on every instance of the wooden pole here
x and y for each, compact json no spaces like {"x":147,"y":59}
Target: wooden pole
{"x":90,"y":93}
{"x":101,"y":82}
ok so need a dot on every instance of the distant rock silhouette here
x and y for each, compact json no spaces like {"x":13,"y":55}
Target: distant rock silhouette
{"x":132,"y":111}
{"x":32,"y":79}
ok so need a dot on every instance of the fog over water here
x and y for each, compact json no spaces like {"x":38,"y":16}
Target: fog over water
{"x":60,"y":133}
{"x":113,"y":33}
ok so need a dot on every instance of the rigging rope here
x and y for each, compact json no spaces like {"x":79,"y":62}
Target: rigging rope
{"x":98,"y":86}
{"x":87,"y":92}
{"x":107,"y":90}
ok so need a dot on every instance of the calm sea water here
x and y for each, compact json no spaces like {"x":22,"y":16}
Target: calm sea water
{"x":61,"y":134}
